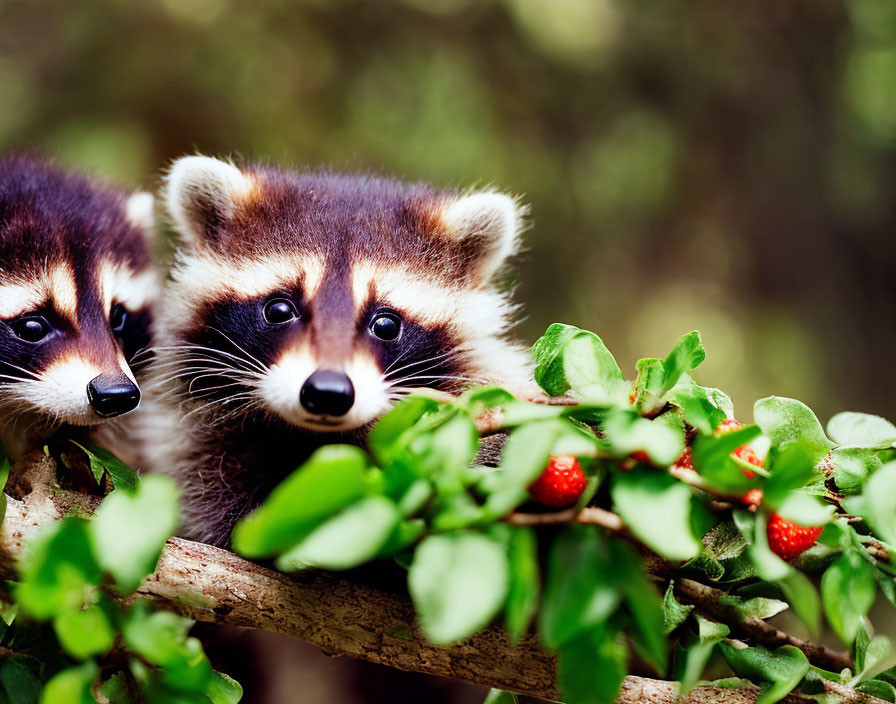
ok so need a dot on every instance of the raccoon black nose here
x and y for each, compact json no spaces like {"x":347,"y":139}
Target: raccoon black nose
{"x":112,"y":395}
{"x":327,"y":392}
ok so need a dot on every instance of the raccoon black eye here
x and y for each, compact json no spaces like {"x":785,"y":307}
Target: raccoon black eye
{"x":33,"y":329}
{"x":385,"y":326}
{"x":118,"y":318}
{"x":280,"y":311}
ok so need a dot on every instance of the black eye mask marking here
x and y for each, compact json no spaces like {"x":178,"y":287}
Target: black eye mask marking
{"x":131,"y":330}
{"x":21,"y":356}
{"x":244,"y":337}
{"x":418,"y":356}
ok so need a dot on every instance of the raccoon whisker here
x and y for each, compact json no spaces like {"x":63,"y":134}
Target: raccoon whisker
{"x":436,"y":360}
{"x":143,"y":352}
{"x":244,"y":397}
{"x":211,"y":388}
{"x":199,"y":349}
{"x":210,"y":371}
{"x":433,"y":377}
{"x":257,"y":362}
{"x":18,"y":379}
{"x":397,"y":360}
{"x":31,"y":374}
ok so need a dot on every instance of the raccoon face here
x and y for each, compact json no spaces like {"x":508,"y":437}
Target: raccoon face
{"x":319,"y":299}
{"x":75,"y":284}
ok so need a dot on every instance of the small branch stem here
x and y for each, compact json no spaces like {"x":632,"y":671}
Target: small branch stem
{"x":708,"y":601}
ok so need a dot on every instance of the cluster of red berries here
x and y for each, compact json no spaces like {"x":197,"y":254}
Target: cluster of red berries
{"x":563,"y":481}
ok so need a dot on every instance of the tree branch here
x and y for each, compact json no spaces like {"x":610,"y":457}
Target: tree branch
{"x":338,"y":615}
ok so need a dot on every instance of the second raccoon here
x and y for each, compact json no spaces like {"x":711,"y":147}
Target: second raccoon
{"x":77,"y":280}
{"x":301,"y":306}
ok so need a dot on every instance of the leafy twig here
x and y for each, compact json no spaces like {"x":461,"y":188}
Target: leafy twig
{"x":709,"y":602}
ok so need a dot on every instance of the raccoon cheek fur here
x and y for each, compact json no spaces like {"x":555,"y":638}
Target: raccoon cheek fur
{"x":77,"y":282}
{"x":302,"y":306}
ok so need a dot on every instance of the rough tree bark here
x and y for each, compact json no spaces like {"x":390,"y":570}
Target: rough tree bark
{"x":338,"y":615}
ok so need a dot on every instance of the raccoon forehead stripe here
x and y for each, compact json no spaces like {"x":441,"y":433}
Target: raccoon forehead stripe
{"x":61,"y":282}
{"x":426,"y":299}
{"x":249,"y":278}
{"x":16,"y":299}
{"x":134,"y":290}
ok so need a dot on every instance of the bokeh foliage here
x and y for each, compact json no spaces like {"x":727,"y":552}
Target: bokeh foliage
{"x":728,"y":167}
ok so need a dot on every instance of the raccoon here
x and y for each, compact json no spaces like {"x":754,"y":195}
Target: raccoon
{"x":301,"y":306}
{"x":76,"y":283}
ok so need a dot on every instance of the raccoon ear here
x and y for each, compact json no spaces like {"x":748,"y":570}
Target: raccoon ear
{"x":487,"y":225}
{"x":203,"y":193}
{"x":139,"y":209}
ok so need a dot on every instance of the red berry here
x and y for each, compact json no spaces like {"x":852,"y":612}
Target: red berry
{"x":745,"y":453}
{"x":729,"y":425}
{"x":640,"y":456}
{"x":561,"y":483}
{"x":686,"y":461}
{"x":752,"y":498}
{"x":789,"y":540}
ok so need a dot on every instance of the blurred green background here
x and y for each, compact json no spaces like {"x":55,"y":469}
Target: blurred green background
{"x":729,"y":167}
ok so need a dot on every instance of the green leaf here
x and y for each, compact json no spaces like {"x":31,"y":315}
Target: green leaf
{"x":768,"y":565}
{"x":102,"y":462}
{"x":661,"y":438}
{"x":648,"y":391}
{"x":71,"y":686}
{"x":523,"y":594}
{"x":390,"y":435}
{"x":570,"y":358}
{"x":223,"y":689}
{"x":333,"y":478}
{"x":803,"y":599}
{"x":878,"y":688}
{"x":59,"y":570}
{"x":777,"y":673}
{"x":581,"y":589}
{"x":674,"y":613}
{"x":687,"y":354}
{"x":862,"y":430}
{"x":445,"y":451}
{"x":499,"y":696}
{"x":590,"y":668}
{"x":19,"y":678}
{"x":701,"y":407}
{"x":161,"y":639}
{"x":458,"y":583}
{"x":692,"y":659}
{"x":481,"y":397}
{"x":85,"y":632}
{"x":847,"y":593}
{"x":117,"y":690}
{"x":712,"y":459}
{"x":806,"y":510}
{"x":877,"y":501}
{"x":757,"y":607}
{"x":786,"y":420}
{"x":873,"y":658}
{"x":348,"y":539}
{"x":656,"y":507}
{"x":129,"y":530}
{"x":656,"y":377}
{"x":853,"y":466}
{"x":644,"y":605}
{"x":790,"y":468}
